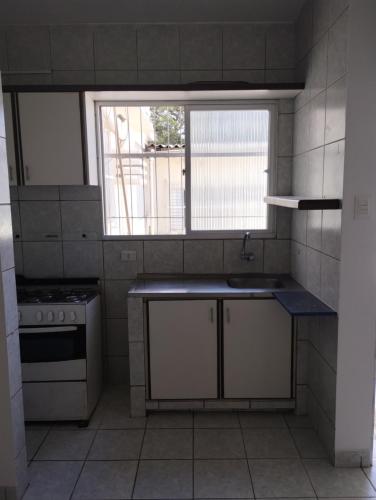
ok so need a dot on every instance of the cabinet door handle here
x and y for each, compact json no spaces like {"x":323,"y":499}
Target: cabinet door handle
{"x":228,"y":316}
{"x":212,"y":315}
{"x":27,"y":172}
{"x":10,"y":169}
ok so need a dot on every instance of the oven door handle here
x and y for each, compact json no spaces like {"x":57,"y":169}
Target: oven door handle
{"x":49,"y":329}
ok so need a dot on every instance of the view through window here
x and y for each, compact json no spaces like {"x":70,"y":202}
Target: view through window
{"x":145,"y":168}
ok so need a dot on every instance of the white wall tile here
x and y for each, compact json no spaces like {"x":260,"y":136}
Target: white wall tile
{"x":38,"y":193}
{"x":331,"y":232}
{"x":280,"y":46}
{"x":337,"y":49}
{"x":203,"y":256}
{"x":81,"y":220}
{"x":8,"y":302}
{"x":159,"y":77}
{"x":73,"y":77}
{"x":116,"y":298}
{"x":233,"y":263}
{"x":115,"y":47}
{"x":158,"y":47}
{"x":236,"y":38}
{"x":117,"y":337}
{"x":285,"y":134}
{"x":115,"y":267}
{"x":72,"y":47}
{"x":335,"y":111}
{"x":40,"y":220}
{"x":4,"y":184}
{"x":329,"y":280}
{"x":317,"y":68}
{"x":28,"y":48}
{"x":82,"y":259}
{"x":277,"y":256}
{"x":333,"y":169}
{"x":314,"y":226}
{"x":313,"y":282}
{"x":200,"y":47}
{"x":6,"y":238}
{"x":163,"y":256}
{"x":43,"y":259}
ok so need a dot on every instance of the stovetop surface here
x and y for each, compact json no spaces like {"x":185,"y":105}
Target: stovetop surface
{"x":55,"y":295}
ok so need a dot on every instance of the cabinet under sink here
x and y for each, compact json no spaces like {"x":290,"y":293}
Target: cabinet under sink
{"x":219,"y":349}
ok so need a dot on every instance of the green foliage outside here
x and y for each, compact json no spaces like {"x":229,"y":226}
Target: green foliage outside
{"x":168,"y":122}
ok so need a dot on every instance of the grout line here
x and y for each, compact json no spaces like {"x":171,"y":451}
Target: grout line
{"x":139,"y":459}
{"x":246,"y":458}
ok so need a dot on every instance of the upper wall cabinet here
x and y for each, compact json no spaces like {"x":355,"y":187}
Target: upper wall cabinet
{"x":11,"y":150}
{"x":50,"y":129}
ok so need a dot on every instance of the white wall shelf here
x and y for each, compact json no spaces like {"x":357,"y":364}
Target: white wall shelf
{"x":304,"y":203}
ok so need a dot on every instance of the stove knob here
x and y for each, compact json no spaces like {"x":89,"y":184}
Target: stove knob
{"x":61,"y":315}
{"x":72,"y":316}
{"x":39,"y":316}
{"x":50,"y":315}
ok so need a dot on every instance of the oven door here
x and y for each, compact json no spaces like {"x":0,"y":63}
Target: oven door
{"x":51,"y":353}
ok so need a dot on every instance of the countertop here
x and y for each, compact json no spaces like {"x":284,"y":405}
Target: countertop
{"x":293,"y":297}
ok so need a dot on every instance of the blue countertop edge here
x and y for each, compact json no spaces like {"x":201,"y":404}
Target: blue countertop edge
{"x":303,"y":303}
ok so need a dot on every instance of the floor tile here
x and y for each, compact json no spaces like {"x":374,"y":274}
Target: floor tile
{"x":370,"y":472}
{"x":330,"y":481}
{"x":167,"y":444}
{"x":116,"y":445}
{"x":308,"y":443}
{"x":52,"y":480}
{"x":34,"y":438}
{"x":119,"y":418}
{"x":298,"y":421}
{"x":262,"y":420}
{"x":222,"y":479}
{"x":269,"y":443}
{"x":66,"y":445}
{"x":106,"y":480}
{"x":280,"y":479}
{"x":170,"y":420}
{"x":216,"y":420}
{"x":158,"y":479}
{"x":218,"y":443}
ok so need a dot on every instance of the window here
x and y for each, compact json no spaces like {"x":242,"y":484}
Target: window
{"x":174,"y":169}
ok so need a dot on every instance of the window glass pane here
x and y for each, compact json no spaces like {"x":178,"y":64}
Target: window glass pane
{"x":143,"y":169}
{"x":229,"y":162}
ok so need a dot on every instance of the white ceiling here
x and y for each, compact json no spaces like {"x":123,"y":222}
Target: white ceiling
{"x":131,"y":11}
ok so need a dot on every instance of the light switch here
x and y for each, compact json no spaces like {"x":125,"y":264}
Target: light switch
{"x":362,"y":207}
{"x":128,"y":255}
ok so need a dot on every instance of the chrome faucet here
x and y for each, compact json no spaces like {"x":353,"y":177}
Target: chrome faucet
{"x":250,"y":256}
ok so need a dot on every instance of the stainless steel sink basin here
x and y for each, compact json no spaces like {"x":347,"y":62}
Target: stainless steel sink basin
{"x":259,"y":283}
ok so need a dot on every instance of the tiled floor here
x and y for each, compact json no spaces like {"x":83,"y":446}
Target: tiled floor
{"x":178,"y":456}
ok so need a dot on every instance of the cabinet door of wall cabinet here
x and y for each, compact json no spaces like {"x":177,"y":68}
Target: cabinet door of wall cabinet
{"x":183,"y":349}
{"x":11,"y":152}
{"x":51,"y":138}
{"x":257,"y":349}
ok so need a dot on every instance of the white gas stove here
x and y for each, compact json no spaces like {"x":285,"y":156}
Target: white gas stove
{"x":60,"y":343}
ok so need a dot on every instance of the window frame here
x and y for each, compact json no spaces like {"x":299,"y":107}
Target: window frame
{"x":270,"y":105}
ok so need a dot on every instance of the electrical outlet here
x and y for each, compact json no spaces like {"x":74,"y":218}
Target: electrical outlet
{"x":128,"y":255}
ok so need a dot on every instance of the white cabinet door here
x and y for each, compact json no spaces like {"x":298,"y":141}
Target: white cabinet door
{"x":51,"y":138}
{"x":183,"y":349}
{"x":257,"y":349}
{"x":11,"y":152}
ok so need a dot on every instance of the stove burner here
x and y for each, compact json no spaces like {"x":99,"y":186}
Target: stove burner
{"x":42,"y":296}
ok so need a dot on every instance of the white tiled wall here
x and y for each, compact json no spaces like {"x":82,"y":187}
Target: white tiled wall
{"x":13,"y":467}
{"x":319,"y":143}
{"x":319,"y":136}
{"x":149,"y":53}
